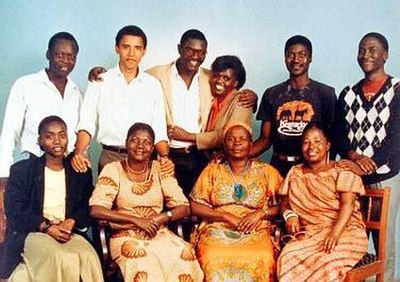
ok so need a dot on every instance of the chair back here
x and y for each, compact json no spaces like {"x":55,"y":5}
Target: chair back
{"x":374,"y":207}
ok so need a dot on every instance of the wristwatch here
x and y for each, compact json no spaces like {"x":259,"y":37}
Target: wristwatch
{"x":169,"y":214}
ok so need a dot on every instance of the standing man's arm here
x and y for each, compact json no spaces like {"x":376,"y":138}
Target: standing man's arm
{"x":263,"y":142}
{"x":12,"y":127}
{"x":86,"y":127}
{"x":329,"y":101}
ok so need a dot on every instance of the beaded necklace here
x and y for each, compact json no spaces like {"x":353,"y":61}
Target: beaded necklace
{"x":238,"y":188}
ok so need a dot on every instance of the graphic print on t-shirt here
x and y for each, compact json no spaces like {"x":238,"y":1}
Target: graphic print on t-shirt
{"x":292,"y":117}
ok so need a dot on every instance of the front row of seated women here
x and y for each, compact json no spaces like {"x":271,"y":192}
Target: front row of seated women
{"x":47,"y":205}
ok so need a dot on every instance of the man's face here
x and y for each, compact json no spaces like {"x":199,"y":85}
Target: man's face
{"x":131,"y":50}
{"x":192,"y":54}
{"x":297,"y":60}
{"x":62,"y":58}
{"x":371,"y":55}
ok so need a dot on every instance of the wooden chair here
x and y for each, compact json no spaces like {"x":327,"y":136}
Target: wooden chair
{"x":374,"y":207}
{"x":102,"y":237}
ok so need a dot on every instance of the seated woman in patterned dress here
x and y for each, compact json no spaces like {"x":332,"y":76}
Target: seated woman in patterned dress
{"x":131,"y":194}
{"x":233,"y":199}
{"x":323,"y":215}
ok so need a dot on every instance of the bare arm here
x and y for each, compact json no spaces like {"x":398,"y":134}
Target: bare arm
{"x":347,"y":200}
{"x":177,"y":213}
{"x":79,"y":161}
{"x":148,"y":225}
{"x":263,"y":142}
{"x":212,"y":215}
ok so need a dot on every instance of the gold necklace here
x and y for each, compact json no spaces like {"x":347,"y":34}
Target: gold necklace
{"x":135,"y":171}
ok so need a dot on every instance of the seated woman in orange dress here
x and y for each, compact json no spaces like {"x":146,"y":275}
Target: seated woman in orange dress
{"x":131,"y":195}
{"x":235,"y":201}
{"x":322,"y":213}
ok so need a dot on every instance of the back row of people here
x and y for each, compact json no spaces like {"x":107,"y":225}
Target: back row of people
{"x":365,"y":121}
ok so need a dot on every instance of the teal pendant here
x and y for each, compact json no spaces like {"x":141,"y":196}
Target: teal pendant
{"x":239,"y":191}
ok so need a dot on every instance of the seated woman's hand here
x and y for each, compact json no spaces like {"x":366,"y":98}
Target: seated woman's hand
{"x":67,"y":224}
{"x":59,"y":233}
{"x":148,"y":225}
{"x":331,"y":241}
{"x":250,"y":222}
{"x":292,"y":225}
{"x":232,"y":220}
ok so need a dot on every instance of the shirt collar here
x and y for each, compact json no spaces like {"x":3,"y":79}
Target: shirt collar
{"x":176,"y":74}
{"x":139,"y":76}
{"x":44,"y":78}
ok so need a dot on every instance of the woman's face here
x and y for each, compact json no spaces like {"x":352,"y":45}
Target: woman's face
{"x":53,"y":139}
{"x":140,"y":145}
{"x":315,"y":146}
{"x":237,"y":143}
{"x":223,"y":82}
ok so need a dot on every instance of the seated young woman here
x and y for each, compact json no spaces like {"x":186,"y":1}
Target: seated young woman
{"x":46,"y":204}
{"x":322,"y":214}
{"x":131,"y":194}
{"x":235,"y":201}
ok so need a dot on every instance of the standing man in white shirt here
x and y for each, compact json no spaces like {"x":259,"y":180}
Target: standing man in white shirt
{"x":35,"y":96}
{"x":124,"y":96}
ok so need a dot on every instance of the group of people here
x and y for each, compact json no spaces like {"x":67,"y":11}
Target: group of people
{"x":176,"y":139}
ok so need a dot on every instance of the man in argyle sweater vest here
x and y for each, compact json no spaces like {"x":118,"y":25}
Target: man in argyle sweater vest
{"x":368,"y":132}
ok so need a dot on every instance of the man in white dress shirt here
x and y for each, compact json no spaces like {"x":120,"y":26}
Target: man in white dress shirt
{"x":38,"y":95}
{"x":124,"y":96}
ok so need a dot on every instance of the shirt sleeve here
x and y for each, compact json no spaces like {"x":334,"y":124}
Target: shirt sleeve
{"x":12,"y":127}
{"x":285,"y":187}
{"x":347,"y":181}
{"x":213,"y":139}
{"x":107,"y":187}
{"x":159,"y":119}
{"x":201,"y":192}
{"x":89,"y":109}
{"x":265,"y":110}
{"x":172,"y":192}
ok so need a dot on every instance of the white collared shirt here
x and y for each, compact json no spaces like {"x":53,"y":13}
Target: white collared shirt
{"x":113,"y":105}
{"x":186,"y":105}
{"x":32,"y":98}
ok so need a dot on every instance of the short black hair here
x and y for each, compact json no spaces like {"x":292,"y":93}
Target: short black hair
{"x":230,"y":62}
{"x":47,"y":120}
{"x":141,"y":126}
{"x":378,"y":36}
{"x":192,"y":34}
{"x":62,"y":35}
{"x":299,"y":39}
{"x":131,"y":30}
{"x":320,"y":126}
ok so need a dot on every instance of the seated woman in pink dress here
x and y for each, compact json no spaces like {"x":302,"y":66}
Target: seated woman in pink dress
{"x":322,"y":213}
{"x":131,"y":195}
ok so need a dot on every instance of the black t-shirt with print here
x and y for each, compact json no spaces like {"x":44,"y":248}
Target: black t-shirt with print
{"x":290,"y":110}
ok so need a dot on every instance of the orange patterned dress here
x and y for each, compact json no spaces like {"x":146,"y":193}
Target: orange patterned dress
{"x":166,"y":257}
{"x":315,"y":198}
{"x":226,"y":254}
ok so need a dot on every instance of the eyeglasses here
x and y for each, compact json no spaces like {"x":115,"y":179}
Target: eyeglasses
{"x":297,"y":236}
{"x":62,"y":55}
{"x":190,"y":52}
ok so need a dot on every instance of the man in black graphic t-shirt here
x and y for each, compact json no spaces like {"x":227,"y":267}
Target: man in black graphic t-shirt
{"x":288,"y":107}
